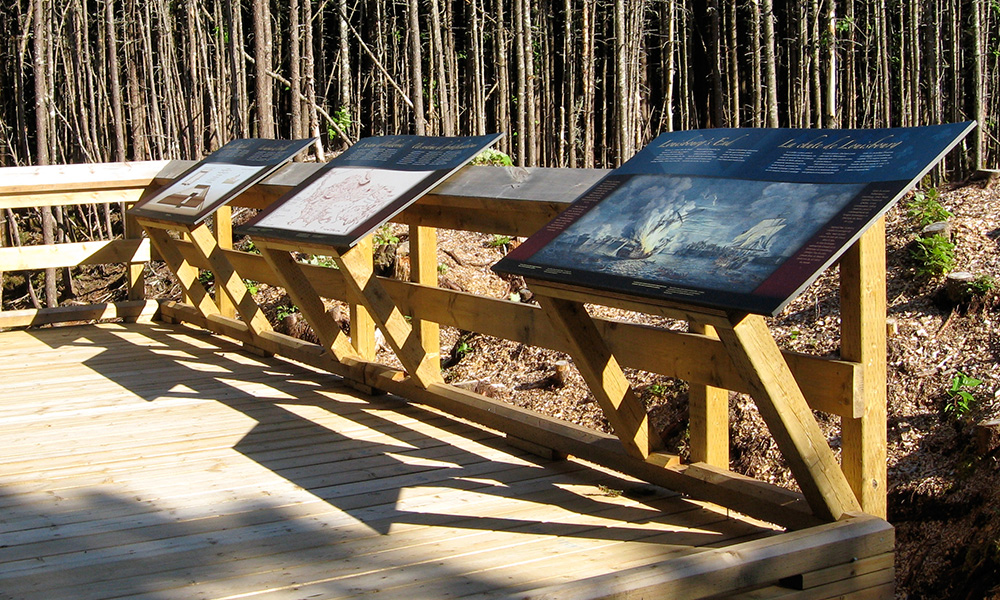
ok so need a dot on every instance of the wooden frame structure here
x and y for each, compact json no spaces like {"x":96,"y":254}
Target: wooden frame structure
{"x":720,"y":352}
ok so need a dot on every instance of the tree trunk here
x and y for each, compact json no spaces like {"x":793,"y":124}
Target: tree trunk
{"x":295,"y":68}
{"x":770,"y":64}
{"x":978,"y":114}
{"x":262,"y":79}
{"x":416,"y":67}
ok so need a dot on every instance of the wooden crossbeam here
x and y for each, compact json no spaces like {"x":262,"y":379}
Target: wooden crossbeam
{"x":366,"y":288}
{"x":599,"y":368}
{"x":362,"y":323}
{"x":758,"y":359}
{"x":227,"y":280}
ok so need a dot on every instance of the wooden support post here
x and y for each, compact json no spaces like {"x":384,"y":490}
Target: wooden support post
{"x":863,"y":340}
{"x":599,"y":368}
{"x":362,"y":325}
{"x":227,"y":281}
{"x":193,"y":271}
{"x":423,"y":270}
{"x":758,"y":359}
{"x":356,"y":266}
{"x":186,"y":273}
{"x":708,"y":408}
{"x":136,"y":281}
{"x":222,"y":222}
{"x":304,"y":295}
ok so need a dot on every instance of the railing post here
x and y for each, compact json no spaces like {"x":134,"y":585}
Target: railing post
{"x":362,"y":324}
{"x":863,"y":340}
{"x":136,"y":279}
{"x":223,"y":231}
{"x":708,"y":409}
{"x":423,"y":270}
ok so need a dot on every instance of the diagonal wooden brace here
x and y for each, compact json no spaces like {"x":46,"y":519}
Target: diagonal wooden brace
{"x":228,"y":280}
{"x":186,"y":273}
{"x":424,"y":367}
{"x":758,"y":359}
{"x":308,"y":300}
{"x":604,"y":376}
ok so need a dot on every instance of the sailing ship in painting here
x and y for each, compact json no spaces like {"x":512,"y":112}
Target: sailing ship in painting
{"x":723,"y":234}
{"x":751,"y":244}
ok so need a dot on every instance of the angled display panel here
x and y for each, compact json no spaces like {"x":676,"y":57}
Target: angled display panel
{"x":739,"y":219}
{"x":217,"y":179}
{"x":364,"y":187}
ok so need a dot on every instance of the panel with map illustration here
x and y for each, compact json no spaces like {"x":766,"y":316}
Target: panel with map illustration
{"x":198,"y":192}
{"x":739,"y":219}
{"x":363,"y":188}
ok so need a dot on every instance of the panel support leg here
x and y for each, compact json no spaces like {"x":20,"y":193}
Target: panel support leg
{"x":599,"y":367}
{"x":304,"y":295}
{"x":758,"y":359}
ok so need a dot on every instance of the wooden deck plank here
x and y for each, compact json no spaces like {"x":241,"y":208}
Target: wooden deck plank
{"x":167,"y":465}
{"x":272,"y":551}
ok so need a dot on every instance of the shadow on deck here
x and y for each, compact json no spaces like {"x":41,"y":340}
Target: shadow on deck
{"x":160,"y":461}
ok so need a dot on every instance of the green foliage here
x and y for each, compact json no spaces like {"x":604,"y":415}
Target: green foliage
{"x":442,"y":268}
{"x":205,"y":277}
{"x":657,"y":389}
{"x":252,"y":286}
{"x":935,"y":255}
{"x":982,"y":285}
{"x":251,"y":247}
{"x":461,"y":349}
{"x":286,"y":310}
{"x":925,"y":208}
{"x":384,"y":236}
{"x":493,"y":157}
{"x":960,"y":398}
{"x":499,"y":241}
{"x":342,"y":118}
{"x":318,"y":260}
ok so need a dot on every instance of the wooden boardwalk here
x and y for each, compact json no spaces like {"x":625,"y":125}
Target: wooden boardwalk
{"x":157,"y":461}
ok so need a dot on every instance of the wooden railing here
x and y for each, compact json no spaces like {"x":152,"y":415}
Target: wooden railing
{"x":517,"y":202}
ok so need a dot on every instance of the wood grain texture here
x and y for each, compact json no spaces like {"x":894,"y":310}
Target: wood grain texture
{"x":367,"y":290}
{"x":212,"y":473}
{"x":186,"y":272}
{"x":708,"y":417}
{"x":623,"y":409}
{"x":423,"y":271}
{"x":362,"y":323}
{"x":833,"y":386}
{"x":304,"y":296}
{"x":863,"y":340}
{"x":228,"y":281}
{"x":23,"y":258}
{"x":788,"y":417}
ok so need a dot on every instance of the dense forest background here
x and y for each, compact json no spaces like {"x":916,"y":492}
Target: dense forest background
{"x":572,"y":82}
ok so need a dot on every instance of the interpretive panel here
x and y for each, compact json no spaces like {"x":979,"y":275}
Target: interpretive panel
{"x":217,"y":179}
{"x":739,"y":219}
{"x":364,"y":187}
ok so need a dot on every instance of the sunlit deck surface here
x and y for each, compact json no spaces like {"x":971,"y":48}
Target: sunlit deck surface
{"x":159,"y":461}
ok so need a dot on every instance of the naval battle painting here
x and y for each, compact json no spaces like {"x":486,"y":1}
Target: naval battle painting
{"x":738,"y":219}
